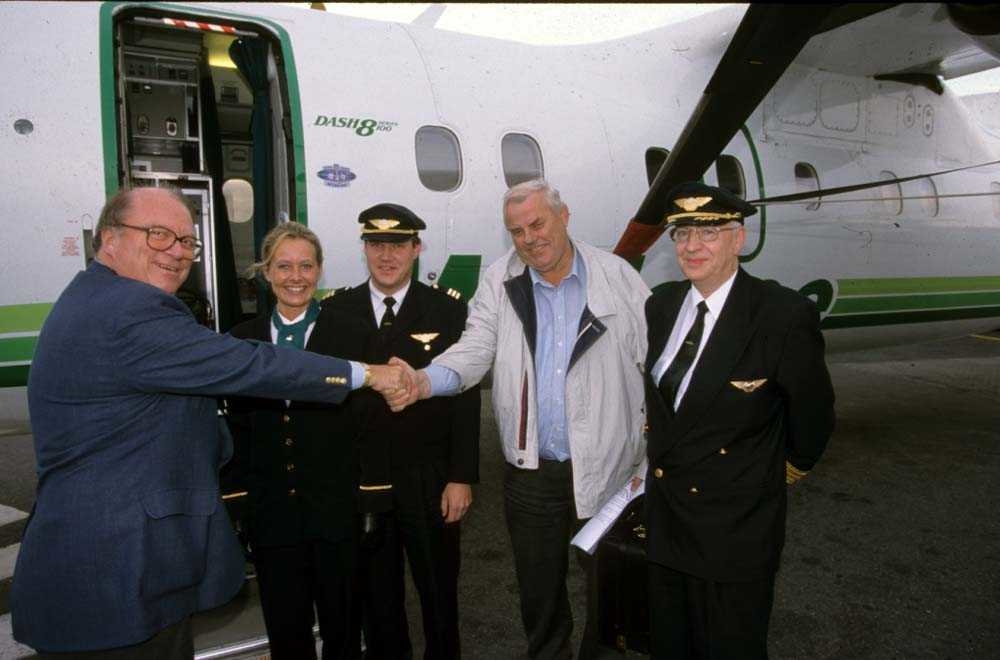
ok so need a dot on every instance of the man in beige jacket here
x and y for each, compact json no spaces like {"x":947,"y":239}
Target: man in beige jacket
{"x":561,"y":324}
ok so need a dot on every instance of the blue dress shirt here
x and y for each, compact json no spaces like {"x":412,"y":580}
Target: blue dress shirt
{"x":558,"y":309}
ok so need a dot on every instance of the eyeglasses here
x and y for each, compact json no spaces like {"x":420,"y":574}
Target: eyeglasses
{"x":162,"y":239}
{"x":704,"y":234}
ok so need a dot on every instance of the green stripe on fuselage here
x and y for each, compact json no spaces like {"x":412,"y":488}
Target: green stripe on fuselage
{"x":17,"y":349}
{"x":862,"y":303}
{"x":915,"y":302}
{"x":23,"y":318}
{"x":899,"y":318}
{"x":882,"y":286}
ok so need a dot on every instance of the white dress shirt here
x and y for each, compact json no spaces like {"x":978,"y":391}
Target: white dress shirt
{"x":378,"y":300}
{"x":685,"y":319}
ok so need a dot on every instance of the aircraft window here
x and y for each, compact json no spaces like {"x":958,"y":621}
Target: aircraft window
{"x":655,"y":158}
{"x":926,"y":195}
{"x":806,"y":180}
{"x":892,"y":194}
{"x":729,"y":173}
{"x":439,"y":158}
{"x":522,"y":159}
{"x":239,"y":200}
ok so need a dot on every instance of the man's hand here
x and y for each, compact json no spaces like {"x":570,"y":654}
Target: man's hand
{"x":455,"y":501}
{"x":419,"y":386}
{"x":388,"y":378}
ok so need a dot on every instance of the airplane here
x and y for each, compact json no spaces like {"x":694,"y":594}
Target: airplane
{"x":878,"y":187}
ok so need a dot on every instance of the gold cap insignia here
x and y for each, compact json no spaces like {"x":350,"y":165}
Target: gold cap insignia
{"x":383,"y":223}
{"x":692,"y":203}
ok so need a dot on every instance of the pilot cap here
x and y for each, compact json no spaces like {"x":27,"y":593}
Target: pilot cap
{"x":695,"y":204}
{"x":389,"y":223}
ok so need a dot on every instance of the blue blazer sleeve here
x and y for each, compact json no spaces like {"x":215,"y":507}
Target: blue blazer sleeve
{"x":162,"y":349}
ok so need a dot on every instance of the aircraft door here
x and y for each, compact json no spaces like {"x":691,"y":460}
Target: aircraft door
{"x":184,"y":120}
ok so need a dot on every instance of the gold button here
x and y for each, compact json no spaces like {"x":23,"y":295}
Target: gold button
{"x":290,"y":467}
{"x":291,"y":491}
{"x":286,"y":419}
{"x":329,"y":380}
{"x":289,"y":442}
{"x":658,"y":473}
{"x":694,"y":490}
{"x":723,"y":451}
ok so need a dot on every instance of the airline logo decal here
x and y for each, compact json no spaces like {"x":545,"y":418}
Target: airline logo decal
{"x":360,"y":126}
{"x":337,"y":176}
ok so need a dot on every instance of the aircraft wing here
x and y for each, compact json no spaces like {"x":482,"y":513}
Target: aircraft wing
{"x":908,"y":38}
{"x":857,"y":39}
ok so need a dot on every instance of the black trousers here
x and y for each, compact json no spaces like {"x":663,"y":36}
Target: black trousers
{"x":172,"y":643}
{"x":432,"y":548}
{"x":294,"y":579}
{"x":692,"y":618}
{"x":541,"y":518}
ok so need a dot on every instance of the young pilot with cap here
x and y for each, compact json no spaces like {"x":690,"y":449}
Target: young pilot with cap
{"x":416,"y":465}
{"x":740,"y":406}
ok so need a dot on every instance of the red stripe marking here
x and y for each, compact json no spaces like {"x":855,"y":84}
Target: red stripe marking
{"x":636,"y":239}
{"x":522,"y":434}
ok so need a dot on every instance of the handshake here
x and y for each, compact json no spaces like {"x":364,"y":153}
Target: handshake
{"x":398,"y":383}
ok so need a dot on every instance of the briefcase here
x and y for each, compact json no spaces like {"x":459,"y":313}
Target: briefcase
{"x":622,"y":597}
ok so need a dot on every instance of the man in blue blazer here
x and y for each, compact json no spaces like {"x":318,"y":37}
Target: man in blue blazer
{"x":128,"y":536}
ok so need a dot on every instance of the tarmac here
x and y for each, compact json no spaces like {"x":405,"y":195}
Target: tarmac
{"x":893,"y":543}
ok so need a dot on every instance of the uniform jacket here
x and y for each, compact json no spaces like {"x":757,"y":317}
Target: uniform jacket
{"x":716,"y":494}
{"x":128,"y":533}
{"x":604,"y":397}
{"x":298,"y":460}
{"x":443,"y":430}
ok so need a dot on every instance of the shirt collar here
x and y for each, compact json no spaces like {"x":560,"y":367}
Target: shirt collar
{"x":292,"y":321}
{"x":717,"y":300}
{"x":577,"y":270}
{"x":378,"y":297}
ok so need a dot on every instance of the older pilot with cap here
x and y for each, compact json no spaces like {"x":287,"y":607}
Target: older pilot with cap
{"x":417,"y":465}
{"x":739,"y":405}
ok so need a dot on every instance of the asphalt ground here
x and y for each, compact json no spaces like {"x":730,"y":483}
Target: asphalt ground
{"x":893,"y":544}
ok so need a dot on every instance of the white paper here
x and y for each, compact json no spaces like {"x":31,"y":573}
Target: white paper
{"x":588,"y":536}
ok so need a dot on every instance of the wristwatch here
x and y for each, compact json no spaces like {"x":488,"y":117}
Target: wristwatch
{"x":367,"y":382}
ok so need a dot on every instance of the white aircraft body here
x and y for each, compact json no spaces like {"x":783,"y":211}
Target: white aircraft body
{"x":351,"y":112}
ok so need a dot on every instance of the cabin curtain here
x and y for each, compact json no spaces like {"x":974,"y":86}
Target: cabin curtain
{"x":250,"y":57}
{"x":230,"y":311}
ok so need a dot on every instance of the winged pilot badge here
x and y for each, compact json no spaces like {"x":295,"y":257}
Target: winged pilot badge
{"x":426,"y":338}
{"x":747,"y":386}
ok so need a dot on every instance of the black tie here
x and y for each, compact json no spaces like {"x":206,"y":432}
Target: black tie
{"x":672,"y":377}
{"x":389,"y":315}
